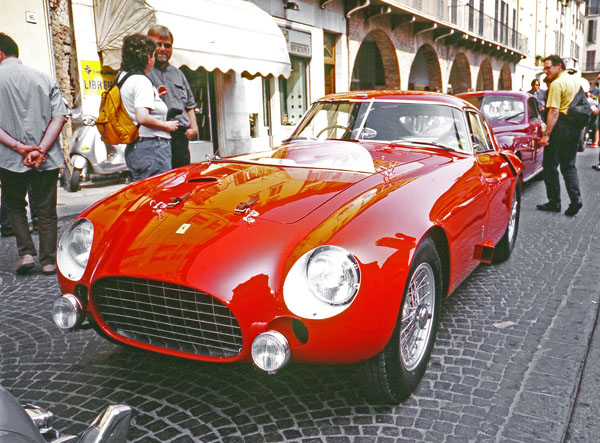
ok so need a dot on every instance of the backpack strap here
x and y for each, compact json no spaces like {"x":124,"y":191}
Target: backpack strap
{"x":126,"y":76}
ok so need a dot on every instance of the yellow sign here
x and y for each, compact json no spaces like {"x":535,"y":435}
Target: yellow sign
{"x":96,"y":78}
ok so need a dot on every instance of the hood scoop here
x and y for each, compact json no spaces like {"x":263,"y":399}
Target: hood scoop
{"x":203,"y":180}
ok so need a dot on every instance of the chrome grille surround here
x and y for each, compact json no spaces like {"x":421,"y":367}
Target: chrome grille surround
{"x":168,"y":315}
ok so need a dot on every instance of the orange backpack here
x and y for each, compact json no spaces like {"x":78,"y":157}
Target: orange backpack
{"x":113,"y":123}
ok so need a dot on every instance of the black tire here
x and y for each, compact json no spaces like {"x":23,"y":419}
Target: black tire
{"x":507,"y":242}
{"x":393,"y":374}
{"x":75,"y":180}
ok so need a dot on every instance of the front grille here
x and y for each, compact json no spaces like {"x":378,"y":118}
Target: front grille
{"x":168,"y":315}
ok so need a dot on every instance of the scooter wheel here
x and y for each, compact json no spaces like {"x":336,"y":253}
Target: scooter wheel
{"x":75,"y":180}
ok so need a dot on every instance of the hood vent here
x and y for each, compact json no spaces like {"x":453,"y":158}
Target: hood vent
{"x":203,"y":180}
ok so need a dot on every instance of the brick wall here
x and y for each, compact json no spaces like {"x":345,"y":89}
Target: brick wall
{"x":64,"y":50}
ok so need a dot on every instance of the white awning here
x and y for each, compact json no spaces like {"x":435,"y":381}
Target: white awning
{"x":214,"y":34}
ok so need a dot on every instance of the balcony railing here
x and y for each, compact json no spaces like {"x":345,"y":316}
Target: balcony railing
{"x":467,"y":18}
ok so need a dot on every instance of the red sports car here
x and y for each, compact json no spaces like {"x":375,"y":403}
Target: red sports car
{"x":517,"y":124}
{"x":337,"y":247}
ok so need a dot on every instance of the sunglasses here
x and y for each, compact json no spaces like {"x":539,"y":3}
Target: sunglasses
{"x":164,"y":45}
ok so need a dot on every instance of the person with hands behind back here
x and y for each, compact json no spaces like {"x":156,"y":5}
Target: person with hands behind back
{"x":150,"y":153}
{"x":32,"y":116}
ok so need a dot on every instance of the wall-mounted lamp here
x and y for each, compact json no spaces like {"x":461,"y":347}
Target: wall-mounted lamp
{"x":291,"y":6}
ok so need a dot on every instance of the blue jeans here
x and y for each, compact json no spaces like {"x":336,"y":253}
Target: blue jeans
{"x":148,"y":156}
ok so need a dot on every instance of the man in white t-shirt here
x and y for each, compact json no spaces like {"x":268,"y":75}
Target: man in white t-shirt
{"x":150,"y":153}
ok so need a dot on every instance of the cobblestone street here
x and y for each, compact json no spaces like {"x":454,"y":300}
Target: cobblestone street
{"x":506,"y":366}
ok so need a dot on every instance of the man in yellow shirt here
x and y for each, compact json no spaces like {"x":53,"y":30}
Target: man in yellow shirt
{"x":560,"y":139}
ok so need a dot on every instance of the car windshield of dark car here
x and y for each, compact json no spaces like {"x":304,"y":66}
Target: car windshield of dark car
{"x":497,"y":108}
{"x":384,"y":120}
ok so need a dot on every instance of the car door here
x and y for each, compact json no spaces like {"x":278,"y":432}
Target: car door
{"x":535,"y":131}
{"x":495,"y":177}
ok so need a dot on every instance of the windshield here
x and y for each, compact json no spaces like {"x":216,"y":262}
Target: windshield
{"x":498,"y":108}
{"x":410,"y":122}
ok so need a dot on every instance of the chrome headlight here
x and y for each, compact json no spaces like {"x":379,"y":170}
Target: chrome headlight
{"x":270,"y":351}
{"x":67,"y":312}
{"x":332,"y":275}
{"x":74,"y":249}
{"x":322,"y":283}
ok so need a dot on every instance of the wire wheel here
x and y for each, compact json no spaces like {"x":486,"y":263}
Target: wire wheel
{"x":416,"y":324}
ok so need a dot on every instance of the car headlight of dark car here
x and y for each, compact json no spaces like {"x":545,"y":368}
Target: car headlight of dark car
{"x":74,"y":249}
{"x":322,"y":283}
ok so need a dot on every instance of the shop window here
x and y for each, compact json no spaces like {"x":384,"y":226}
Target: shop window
{"x":293,"y":92}
{"x":199,"y":82}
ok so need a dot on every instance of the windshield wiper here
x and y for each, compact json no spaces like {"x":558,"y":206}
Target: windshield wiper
{"x":293,"y":138}
{"x":508,"y":117}
{"x":421,"y":142}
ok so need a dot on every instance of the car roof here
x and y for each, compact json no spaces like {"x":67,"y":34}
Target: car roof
{"x":519,"y":94}
{"x":393,"y":94}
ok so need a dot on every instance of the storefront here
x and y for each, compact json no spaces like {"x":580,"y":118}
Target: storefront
{"x":253,"y":70}
{"x":215,"y":43}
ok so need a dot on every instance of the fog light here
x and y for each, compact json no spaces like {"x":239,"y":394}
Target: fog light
{"x":67,"y":312}
{"x":270,"y":351}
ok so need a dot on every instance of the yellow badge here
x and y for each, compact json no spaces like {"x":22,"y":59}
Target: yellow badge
{"x":184,"y":227}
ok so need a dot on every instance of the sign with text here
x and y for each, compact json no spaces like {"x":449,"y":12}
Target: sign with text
{"x":96,"y":78}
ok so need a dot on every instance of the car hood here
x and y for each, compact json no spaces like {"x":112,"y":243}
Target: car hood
{"x":502,"y":127}
{"x":277,"y":194}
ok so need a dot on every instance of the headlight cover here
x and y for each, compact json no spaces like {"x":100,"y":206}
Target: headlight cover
{"x":332,"y":275}
{"x":74,"y":249}
{"x":322,"y":283}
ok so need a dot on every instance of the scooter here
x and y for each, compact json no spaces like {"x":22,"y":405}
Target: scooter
{"x":31,"y":424}
{"x":89,"y":155}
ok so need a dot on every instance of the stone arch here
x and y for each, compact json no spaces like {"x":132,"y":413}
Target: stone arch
{"x":505,"y":78}
{"x":460,"y":74}
{"x":376,"y":64}
{"x":425,"y":71}
{"x":485,"y":78}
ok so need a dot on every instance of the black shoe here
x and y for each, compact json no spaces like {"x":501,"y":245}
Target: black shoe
{"x":25,"y":264}
{"x":7,"y":232}
{"x":596,"y":167}
{"x":549,"y":207}
{"x":573,"y":209}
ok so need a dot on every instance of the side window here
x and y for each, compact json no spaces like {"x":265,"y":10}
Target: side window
{"x":533,"y":109}
{"x":462,"y":134}
{"x":479,"y":133}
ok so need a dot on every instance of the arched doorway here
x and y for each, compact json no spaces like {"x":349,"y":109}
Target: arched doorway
{"x":460,"y":75}
{"x":376,"y":64}
{"x":485,"y":78}
{"x":425,"y":72}
{"x":505,"y":79}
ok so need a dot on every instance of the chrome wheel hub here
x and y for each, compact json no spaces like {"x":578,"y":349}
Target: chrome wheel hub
{"x":416,"y":324}
{"x":512,"y":221}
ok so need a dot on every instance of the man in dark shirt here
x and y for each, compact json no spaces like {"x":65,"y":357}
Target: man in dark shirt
{"x":539,"y":94}
{"x":176,"y":93}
